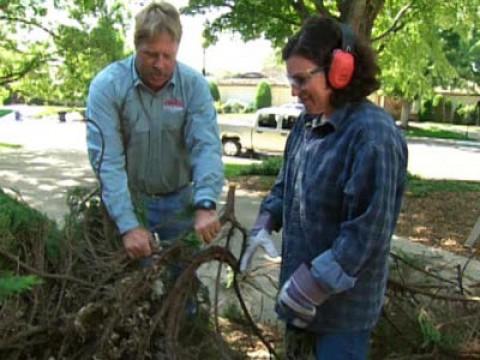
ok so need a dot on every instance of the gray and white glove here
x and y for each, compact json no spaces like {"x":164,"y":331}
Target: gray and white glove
{"x":260,"y":239}
{"x":299,"y":297}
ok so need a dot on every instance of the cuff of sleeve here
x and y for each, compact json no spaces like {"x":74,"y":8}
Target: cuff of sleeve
{"x":274,"y":208}
{"x":126,"y":222}
{"x":308,"y":286}
{"x":327,"y":271}
{"x":204,"y":193}
{"x":198,"y":199}
{"x":264,"y":221}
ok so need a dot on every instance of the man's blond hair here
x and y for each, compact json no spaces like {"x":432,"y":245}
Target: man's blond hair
{"x":156,"y":18}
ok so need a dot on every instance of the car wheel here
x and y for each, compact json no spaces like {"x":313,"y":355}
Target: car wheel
{"x":231,"y":147}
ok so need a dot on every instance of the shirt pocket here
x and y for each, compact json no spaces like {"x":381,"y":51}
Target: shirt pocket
{"x":172,"y":118}
{"x":133,"y":120}
{"x":137,"y":137}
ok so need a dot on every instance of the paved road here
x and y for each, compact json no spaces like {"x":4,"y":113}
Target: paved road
{"x":444,"y":159}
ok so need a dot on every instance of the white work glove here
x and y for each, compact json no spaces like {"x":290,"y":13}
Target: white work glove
{"x":262,"y":239}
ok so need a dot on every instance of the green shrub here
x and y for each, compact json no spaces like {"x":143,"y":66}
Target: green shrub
{"x":214,"y":90}
{"x":426,"y":111}
{"x":20,"y":228}
{"x":437,"y":100}
{"x":251,"y":108}
{"x":20,"y":224}
{"x":234,"y":106}
{"x":466,"y":115}
{"x":263,"y":97}
{"x":11,"y":284}
{"x":441,"y":109}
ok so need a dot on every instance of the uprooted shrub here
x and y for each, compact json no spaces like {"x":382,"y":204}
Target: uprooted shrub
{"x":87,"y":300}
{"x":93,"y":302}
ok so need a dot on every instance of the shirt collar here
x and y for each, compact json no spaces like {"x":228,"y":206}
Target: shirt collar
{"x":335,"y":122}
{"x":339,"y":118}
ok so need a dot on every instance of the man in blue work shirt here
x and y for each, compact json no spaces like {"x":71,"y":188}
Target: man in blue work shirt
{"x":337,"y":197}
{"x":153,"y":138}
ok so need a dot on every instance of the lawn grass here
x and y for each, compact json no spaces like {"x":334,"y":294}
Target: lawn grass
{"x":4,"y":112}
{"x":436,"y":133}
{"x":268,"y":167}
{"x":234,"y":170}
{"x":10,"y":146}
{"x":416,"y":186}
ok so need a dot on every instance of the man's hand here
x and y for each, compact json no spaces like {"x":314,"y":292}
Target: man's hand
{"x":263,"y":239}
{"x":299,"y":297}
{"x":137,"y":243}
{"x":207,"y":225}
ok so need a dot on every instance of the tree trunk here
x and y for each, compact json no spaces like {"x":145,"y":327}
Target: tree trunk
{"x":406,"y":106}
{"x":360,"y":14}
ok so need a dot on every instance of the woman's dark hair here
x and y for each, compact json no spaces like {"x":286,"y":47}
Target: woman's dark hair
{"x":317,"y":39}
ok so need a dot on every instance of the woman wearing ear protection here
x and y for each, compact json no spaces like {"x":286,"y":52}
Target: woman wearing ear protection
{"x":337,"y":197}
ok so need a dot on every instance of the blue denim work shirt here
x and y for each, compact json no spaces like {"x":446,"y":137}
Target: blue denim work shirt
{"x":338,"y":197}
{"x":142,"y":142}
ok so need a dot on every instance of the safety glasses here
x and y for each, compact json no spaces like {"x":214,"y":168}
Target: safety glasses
{"x":299,"y":80}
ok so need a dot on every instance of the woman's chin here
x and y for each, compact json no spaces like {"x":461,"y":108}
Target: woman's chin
{"x":312,"y":110}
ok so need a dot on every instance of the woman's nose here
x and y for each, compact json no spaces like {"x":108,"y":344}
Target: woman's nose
{"x":295,"y":90}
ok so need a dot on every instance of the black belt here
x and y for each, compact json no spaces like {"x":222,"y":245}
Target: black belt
{"x":163,"y":194}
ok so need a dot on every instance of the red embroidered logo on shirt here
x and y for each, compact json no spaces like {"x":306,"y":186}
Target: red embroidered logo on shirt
{"x":174,"y":103}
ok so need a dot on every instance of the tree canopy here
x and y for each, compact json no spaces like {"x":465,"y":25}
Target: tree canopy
{"x":408,"y":35}
{"x":50,"y":50}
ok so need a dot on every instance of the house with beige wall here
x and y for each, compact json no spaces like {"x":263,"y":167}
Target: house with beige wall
{"x":245,"y":89}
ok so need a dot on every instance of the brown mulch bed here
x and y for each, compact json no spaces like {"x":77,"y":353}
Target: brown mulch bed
{"x":440,"y":219}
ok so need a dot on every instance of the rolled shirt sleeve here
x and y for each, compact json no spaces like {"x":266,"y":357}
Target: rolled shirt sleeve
{"x":106,"y":154}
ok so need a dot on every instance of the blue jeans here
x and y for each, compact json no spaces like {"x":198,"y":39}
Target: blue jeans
{"x":342,"y":346}
{"x":301,"y":344}
{"x":169,"y":216}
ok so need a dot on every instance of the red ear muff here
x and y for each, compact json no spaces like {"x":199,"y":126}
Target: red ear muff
{"x":341,"y":69}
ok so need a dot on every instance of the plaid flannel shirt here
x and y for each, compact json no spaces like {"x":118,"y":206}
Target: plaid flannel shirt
{"x":338,"y":197}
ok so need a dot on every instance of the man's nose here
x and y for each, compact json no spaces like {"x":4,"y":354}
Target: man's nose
{"x":159,"y":62}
